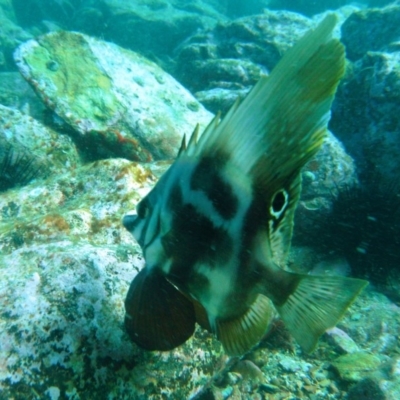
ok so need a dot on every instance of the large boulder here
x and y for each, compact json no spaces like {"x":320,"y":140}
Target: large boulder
{"x":117,"y":102}
{"x":236,"y":53}
{"x":10,"y":35}
{"x":366,"y":115}
{"x":371,"y":30}
{"x":30,"y":150}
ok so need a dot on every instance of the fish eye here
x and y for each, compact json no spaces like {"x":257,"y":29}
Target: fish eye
{"x":279,"y":203}
{"x":142,"y":209}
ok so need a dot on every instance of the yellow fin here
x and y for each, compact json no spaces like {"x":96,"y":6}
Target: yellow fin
{"x":240,"y":334}
{"x":317,"y":304}
{"x":282,"y":121}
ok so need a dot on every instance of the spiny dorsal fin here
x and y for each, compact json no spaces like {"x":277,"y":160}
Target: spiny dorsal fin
{"x":209,"y":131}
{"x":190,"y":148}
{"x":182,"y":149}
{"x":285,"y":114}
{"x":194,"y":137}
{"x":240,"y":334}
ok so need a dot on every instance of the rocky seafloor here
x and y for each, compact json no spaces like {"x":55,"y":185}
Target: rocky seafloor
{"x":86,"y":129}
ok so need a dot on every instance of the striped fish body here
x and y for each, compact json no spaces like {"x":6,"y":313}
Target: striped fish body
{"x":199,"y":235}
{"x":216,"y":229}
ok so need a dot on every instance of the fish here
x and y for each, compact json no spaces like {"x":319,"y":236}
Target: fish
{"x":216,"y":229}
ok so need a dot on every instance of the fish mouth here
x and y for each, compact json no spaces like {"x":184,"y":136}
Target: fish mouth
{"x":129,"y":222}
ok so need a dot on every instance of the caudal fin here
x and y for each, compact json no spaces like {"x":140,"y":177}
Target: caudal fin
{"x":317,"y":304}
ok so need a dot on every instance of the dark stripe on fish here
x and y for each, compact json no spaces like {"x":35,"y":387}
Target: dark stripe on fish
{"x":193,"y":237}
{"x":206,"y":177}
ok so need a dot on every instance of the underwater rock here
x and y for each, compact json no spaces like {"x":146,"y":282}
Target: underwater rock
{"x":32,"y":14}
{"x":18,"y":166}
{"x":329,"y":171}
{"x":163,"y":24}
{"x":61,"y":310}
{"x":82,"y":204}
{"x":220,"y":99}
{"x":310,"y":8}
{"x":372,"y":30}
{"x":375,"y":389}
{"x":119,"y":103}
{"x":288,"y":364}
{"x":248,"y":370}
{"x":363,"y":220}
{"x":56,"y":153}
{"x":15,"y":92}
{"x":151,"y":27}
{"x":374,"y":324}
{"x":235,"y":9}
{"x":66,"y":263}
{"x":365,"y":115}
{"x":11,"y":35}
{"x":356,"y":366}
{"x":236,"y":53}
{"x":342,"y":341}
{"x":368,"y":389}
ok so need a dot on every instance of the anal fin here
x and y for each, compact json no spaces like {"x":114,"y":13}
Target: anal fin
{"x":158,"y":316}
{"x":239,"y":335}
{"x":317,"y":304}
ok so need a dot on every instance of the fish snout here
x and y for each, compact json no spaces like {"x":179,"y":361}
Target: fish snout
{"x":129,"y":222}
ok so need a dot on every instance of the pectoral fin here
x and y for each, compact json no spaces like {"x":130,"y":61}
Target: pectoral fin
{"x":158,"y":316}
{"x":239,"y":335}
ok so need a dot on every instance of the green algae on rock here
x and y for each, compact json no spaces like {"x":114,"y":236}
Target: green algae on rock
{"x":119,"y":103}
{"x":356,"y":366}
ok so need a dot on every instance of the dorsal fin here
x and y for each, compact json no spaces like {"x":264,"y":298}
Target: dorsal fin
{"x":285,"y":114}
{"x":192,"y":148}
{"x":194,"y":137}
{"x":182,"y":149}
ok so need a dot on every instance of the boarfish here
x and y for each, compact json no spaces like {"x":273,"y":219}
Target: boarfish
{"x":216,"y":229}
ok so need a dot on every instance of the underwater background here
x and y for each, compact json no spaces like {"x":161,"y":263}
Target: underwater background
{"x":95,"y":97}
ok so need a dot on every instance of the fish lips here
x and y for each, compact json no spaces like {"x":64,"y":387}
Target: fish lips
{"x":129,"y":221}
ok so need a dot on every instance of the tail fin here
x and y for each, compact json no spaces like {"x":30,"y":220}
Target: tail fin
{"x":317,"y":304}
